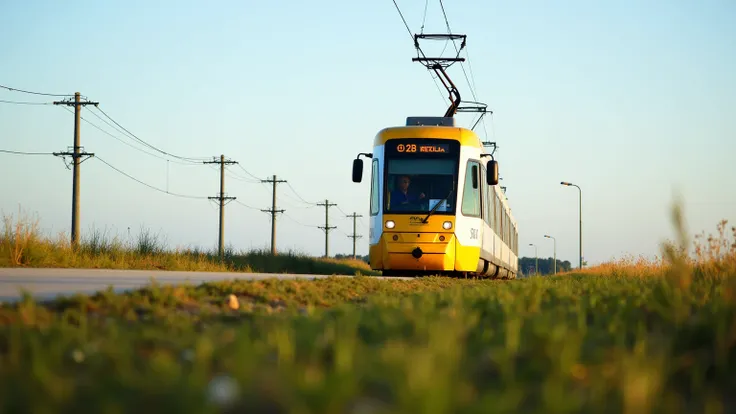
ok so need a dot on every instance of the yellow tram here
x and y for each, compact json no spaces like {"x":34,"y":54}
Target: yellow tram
{"x":435,"y":206}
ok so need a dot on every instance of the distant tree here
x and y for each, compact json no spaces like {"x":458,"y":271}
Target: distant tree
{"x":350,"y":256}
{"x":546,"y":265}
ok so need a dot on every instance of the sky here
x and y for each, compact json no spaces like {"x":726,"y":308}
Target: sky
{"x":633,"y":101}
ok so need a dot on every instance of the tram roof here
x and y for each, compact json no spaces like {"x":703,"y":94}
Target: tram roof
{"x":465,"y":136}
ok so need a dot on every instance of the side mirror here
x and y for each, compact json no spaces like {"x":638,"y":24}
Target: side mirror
{"x":475,"y":176}
{"x":492,"y":172}
{"x":357,"y":170}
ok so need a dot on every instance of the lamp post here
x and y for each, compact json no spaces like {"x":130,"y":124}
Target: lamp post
{"x":580,"y":213}
{"x":555,"y":241}
{"x":536,"y":259}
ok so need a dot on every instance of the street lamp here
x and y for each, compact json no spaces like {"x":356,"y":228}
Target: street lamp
{"x":555,"y":241}
{"x":536,"y":259}
{"x":580,"y":239}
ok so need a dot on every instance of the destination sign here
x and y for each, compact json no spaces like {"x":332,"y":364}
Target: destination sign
{"x":424,"y":148}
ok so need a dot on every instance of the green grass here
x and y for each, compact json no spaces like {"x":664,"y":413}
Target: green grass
{"x":566,"y":344}
{"x":621,"y":338}
{"x":21,"y":245}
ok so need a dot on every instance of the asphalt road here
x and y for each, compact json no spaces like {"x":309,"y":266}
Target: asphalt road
{"x":49,"y":283}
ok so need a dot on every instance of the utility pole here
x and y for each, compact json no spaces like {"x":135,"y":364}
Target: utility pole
{"x":222,"y":198}
{"x":76,"y":154}
{"x":355,"y":234}
{"x":273,"y":212}
{"x":327,"y":227}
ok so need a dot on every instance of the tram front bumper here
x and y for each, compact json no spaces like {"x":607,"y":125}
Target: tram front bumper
{"x":418,"y":251}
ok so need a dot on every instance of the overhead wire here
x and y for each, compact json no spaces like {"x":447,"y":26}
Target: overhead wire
{"x":34,"y":93}
{"x":190,"y":159}
{"x":297,"y":194}
{"x":472,"y":85}
{"x":25,"y":103}
{"x":148,"y":185}
{"x":246,"y":205}
{"x":419,"y":48}
{"x":121,"y":140}
{"x":298,"y":222}
{"x":341,"y":210}
{"x":248,"y":172}
{"x":25,"y":153}
{"x":424,"y":18}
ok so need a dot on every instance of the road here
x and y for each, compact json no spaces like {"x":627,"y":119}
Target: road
{"x":49,"y":283}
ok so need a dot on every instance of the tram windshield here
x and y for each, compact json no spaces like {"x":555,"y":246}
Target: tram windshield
{"x":416,"y":185}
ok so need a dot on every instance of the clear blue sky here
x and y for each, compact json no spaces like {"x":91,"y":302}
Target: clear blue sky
{"x":631,"y":100}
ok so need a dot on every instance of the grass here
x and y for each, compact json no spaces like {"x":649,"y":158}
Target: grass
{"x":632,"y":337}
{"x":21,"y":245}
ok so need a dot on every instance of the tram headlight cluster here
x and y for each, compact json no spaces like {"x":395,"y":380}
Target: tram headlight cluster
{"x":447,"y":225}
{"x":390,"y":224}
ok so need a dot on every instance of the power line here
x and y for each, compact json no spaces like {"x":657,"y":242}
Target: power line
{"x":300,"y":197}
{"x":298,"y":222}
{"x":243,"y":179}
{"x":341,"y":210}
{"x":147,"y":144}
{"x":123,"y":141}
{"x":248,"y":172}
{"x":25,"y":103}
{"x":246,"y":206}
{"x":148,"y":185}
{"x":130,"y":145}
{"x":34,"y":93}
{"x":25,"y":153}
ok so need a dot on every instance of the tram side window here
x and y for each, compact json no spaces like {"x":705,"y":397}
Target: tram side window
{"x":471,"y":196}
{"x":490,"y":197}
{"x":497,"y":216}
{"x":484,"y":195}
{"x":374,"y":188}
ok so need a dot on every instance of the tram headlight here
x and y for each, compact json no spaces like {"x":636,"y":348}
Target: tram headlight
{"x":390,"y":224}
{"x":447,"y":225}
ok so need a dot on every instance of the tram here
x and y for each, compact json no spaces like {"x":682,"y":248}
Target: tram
{"x":435,"y":204}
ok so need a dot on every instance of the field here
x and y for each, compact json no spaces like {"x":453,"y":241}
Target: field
{"x":22,"y":245}
{"x":631,"y":337}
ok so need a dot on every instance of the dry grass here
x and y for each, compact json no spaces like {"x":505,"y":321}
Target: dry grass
{"x":713,"y":255}
{"x":22,"y":245}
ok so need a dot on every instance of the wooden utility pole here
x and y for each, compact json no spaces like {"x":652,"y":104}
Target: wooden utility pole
{"x":355,"y":234}
{"x":77,"y":153}
{"x":273,"y":212}
{"x":327,"y":227}
{"x":222,"y":198}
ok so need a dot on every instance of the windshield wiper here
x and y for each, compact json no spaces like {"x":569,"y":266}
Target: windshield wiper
{"x":436,"y":207}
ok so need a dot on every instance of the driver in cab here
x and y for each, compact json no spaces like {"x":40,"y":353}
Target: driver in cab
{"x":401,"y":196}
